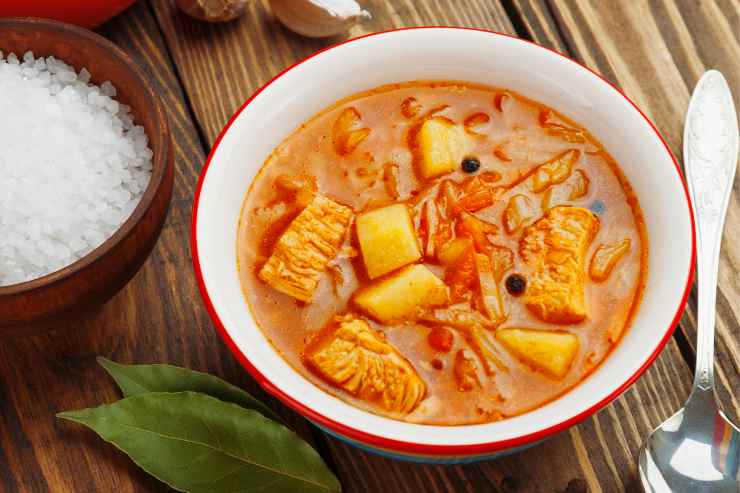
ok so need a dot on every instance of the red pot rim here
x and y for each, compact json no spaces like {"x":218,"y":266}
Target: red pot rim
{"x":401,"y":446}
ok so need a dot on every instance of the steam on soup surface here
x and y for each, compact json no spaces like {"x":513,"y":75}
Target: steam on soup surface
{"x":442,"y":253}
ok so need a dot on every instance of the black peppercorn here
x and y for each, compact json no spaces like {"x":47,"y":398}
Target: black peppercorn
{"x":516,"y":284}
{"x":470,"y":164}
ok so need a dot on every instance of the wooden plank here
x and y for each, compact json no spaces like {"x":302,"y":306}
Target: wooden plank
{"x":537,"y":24}
{"x":221,"y":66}
{"x":157,"y":318}
{"x":655,"y":51}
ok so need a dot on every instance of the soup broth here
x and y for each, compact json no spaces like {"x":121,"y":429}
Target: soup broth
{"x":442,"y":252}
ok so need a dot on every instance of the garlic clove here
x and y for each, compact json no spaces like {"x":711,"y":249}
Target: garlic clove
{"x":318,"y":18}
{"x":213,"y":10}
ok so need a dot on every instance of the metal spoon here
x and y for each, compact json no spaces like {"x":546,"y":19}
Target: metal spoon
{"x":698,"y":448}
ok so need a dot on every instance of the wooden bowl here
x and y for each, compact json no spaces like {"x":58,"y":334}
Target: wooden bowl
{"x":63,"y":297}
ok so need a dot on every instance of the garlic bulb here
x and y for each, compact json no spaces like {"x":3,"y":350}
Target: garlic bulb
{"x":213,"y":10}
{"x":318,"y":18}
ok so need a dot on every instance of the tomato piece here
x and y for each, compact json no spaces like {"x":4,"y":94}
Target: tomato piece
{"x":461,"y":275}
{"x":441,"y":339}
{"x":480,"y":199}
{"x":477,"y":230}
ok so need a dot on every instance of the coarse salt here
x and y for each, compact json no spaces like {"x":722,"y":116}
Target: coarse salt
{"x":73,"y":166}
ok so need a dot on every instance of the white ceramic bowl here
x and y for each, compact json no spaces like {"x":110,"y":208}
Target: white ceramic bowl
{"x":453,"y":54}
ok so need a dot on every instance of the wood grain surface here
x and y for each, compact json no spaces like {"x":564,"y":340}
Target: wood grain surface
{"x":654,"y":51}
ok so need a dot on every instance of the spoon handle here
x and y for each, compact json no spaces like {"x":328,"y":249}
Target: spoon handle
{"x":710,"y":147}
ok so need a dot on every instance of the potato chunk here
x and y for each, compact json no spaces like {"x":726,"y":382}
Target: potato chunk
{"x":353,"y":357}
{"x":306,"y":247}
{"x":387,"y":239}
{"x":605,"y":258}
{"x":550,"y":352}
{"x":402,"y":294}
{"x":442,"y":146}
{"x":555,"y":247}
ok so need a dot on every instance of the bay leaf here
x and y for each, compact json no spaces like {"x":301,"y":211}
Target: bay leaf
{"x":139,"y":379}
{"x":199,"y":444}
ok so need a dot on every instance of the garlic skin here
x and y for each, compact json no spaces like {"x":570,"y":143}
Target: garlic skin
{"x":318,"y":18}
{"x":213,"y":10}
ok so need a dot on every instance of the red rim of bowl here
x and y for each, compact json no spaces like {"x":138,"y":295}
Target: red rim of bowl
{"x":400,"y":446}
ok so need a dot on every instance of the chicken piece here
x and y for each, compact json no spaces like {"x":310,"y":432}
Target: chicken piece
{"x":605,"y":258}
{"x":461,"y":275}
{"x":548,"y":351}
{"x":306,"y":247}
{"x":402,"y":294}
{"x":555,"y":247}
{"x":355,"y":358}
{"x":387,"y":239}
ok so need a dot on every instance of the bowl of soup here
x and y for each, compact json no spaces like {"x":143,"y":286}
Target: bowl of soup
{"x":442,"y":244}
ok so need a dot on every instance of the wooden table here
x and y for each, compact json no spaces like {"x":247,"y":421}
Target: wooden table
{"x":655,"y":50}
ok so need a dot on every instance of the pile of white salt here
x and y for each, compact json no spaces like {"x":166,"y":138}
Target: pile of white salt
{"x":73,"y":165}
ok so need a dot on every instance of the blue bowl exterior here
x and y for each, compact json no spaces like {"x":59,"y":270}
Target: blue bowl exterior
{"x":427,"y":459}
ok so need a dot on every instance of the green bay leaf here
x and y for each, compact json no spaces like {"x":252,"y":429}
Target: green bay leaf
{"x":199,"y":444}
{"x":139,"y":379}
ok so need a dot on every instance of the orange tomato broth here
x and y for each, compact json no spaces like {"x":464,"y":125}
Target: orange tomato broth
{"x":518,"y":135}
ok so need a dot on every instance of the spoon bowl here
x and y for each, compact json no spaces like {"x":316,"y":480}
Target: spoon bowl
{"x":696,"y":449}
